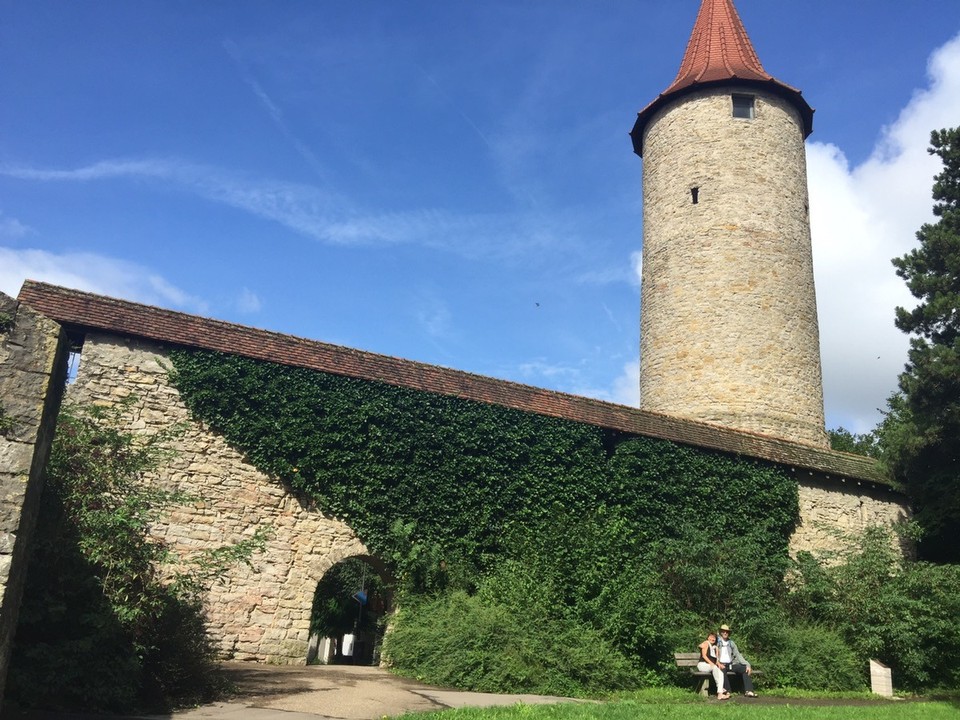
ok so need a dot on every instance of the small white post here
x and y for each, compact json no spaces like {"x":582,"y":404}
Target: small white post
{"x":881,"y":679}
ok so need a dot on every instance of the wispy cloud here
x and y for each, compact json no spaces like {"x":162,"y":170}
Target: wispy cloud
{"x":434,"y":315}
{"x":450,"y":102}
{"x":93,"y":273}
{"x":626,"y":386}
{"x":305,"y":209}
{"x":273,"y":110}
{"x":624,"y":389}
{"x":248,"y":302}
{"x":102,"y":170}
{"x":862,"y":217}
{"x":11,"y":228}
{"x":541,"y":368}
{"x":324,"y":216}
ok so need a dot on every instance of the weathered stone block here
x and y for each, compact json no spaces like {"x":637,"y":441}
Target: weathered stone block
{"x":33,"y":357}
{"x":231,"y":499}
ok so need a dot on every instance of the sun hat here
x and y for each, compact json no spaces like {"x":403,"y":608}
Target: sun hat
{"x":724,"y":627}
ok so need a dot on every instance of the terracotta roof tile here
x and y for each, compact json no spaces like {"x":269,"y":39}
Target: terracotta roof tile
{"x":81,"y":311}
{"x":719,"y":52}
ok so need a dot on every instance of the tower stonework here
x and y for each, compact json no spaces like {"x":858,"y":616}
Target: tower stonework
{"x":728,"y":310}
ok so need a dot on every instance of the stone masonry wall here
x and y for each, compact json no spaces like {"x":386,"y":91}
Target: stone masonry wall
{"x":832,"y":512}
{"x":728,"y":311}
{"x":33,"y":352}
{"x":264,"y":615}
{"x":255,"y":614}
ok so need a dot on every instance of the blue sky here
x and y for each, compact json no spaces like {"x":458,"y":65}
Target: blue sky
{"x":446,"y":181}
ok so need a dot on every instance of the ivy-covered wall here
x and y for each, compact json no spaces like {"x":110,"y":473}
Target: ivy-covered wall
{"x":443,"y":489}
{"x":469,"y":477}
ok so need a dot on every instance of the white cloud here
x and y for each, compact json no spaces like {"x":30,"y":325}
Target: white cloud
{"x":11,"y":228}
{"x":624,"y":390}
{"x":315,"y":212}
{"x":305,"y":209}
{"x":626,"y":387}
{"x":93,"y":273}
{"x":248,"y":302}
{"x":273,"y":110}
{"x":861,"y":218}
{"x":534,"y":370}
{"x":433,"y":314}
{"x":636,"y":263}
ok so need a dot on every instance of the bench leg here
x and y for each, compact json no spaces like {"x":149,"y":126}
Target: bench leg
{"x":704,"y":686}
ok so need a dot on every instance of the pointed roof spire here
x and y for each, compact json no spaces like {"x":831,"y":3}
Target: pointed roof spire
{"x":719,"y":52}
{"x":719,"y":49}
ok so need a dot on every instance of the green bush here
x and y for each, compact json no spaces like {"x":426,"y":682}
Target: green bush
{"x":901,"y":612}
{"x":99,"y":628}
{"x":467,"y":642}
{"x":811,"y":657}
{"x":591,"y":569}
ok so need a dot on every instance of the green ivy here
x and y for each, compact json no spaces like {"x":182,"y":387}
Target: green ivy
{"x":7,"y":321}
{"x":523,"y":542}
{"x":640,"y":541}
{"x":467,"y":475}
{"x":372,"y":454}
{"x":7,"y":423}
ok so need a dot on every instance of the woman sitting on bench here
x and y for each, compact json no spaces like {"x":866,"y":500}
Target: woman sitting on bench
{"x":708,"y":663}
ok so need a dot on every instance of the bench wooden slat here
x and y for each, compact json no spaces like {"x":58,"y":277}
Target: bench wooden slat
{"x":690,"y":660}
{"x":686,"y":659}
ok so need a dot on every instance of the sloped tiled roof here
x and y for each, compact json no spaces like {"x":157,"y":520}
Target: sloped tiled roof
{"x":81,"y":311}
{"x":719,"y":52}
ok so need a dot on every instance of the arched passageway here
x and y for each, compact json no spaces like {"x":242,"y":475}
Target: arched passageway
{"x":349,"y":612}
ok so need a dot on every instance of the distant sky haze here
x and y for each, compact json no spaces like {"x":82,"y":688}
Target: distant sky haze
{"x":448,"y":182}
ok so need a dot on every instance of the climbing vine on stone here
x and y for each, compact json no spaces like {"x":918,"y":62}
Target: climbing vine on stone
{"x":469,"y":478}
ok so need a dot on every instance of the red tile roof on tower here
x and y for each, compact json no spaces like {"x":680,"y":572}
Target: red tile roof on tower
{"x":719,"y":49}
{"x":719,"y":52}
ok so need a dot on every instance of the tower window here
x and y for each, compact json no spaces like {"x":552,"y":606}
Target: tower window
{"x":743,"y":107}
{"x":695,"y":195}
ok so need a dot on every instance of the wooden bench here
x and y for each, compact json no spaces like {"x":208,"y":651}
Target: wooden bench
{"x":690,"y":660}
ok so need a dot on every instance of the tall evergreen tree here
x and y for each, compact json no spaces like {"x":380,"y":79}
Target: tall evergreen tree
{"x":926,"y":447}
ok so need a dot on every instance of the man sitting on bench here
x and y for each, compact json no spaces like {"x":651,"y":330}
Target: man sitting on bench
{"x":730,"y":660}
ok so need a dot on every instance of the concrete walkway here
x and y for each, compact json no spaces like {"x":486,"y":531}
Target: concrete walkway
{"x":343,"y":692}
{"x":338,"y":692}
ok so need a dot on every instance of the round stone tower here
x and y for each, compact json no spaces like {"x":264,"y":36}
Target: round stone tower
{"x":728,"y":331}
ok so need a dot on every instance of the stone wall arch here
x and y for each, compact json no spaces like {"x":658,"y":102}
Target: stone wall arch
{"x":361,"y":618}
{"x":258,"y":612}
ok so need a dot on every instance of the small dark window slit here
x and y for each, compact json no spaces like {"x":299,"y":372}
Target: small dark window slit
{"x":695,"y":195}
{"x":743,"y":107}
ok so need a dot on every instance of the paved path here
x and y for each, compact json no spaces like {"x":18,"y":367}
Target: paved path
{"x":347,"y":692}
{"x":343,"y":692}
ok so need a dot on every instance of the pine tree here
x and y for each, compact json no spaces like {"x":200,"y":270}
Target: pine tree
{"x":927,"y":456}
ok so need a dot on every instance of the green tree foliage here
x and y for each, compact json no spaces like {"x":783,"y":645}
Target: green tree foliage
{"x":859,"y":444}
{"x":927,"y":456}
{"x":901,"y":612}
{"x":100,"y":628}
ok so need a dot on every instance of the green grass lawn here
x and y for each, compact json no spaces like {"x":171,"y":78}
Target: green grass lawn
{"x":667,"y":705}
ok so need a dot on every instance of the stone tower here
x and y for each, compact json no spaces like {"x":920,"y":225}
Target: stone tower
{"x":728,"y":331}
